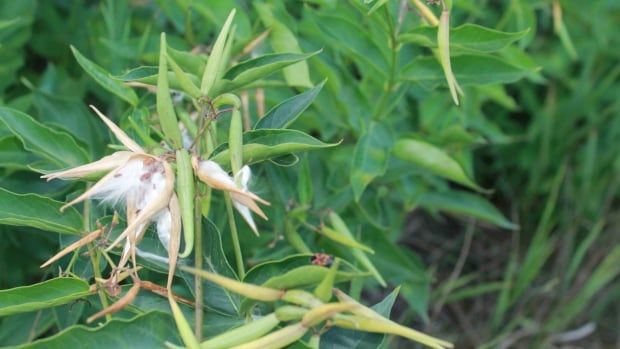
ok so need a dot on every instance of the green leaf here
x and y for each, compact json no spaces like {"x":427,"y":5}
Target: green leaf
{"x":165,"y":109}
{"x":467,"y":37}
{"x":39,"y":212}
{"x":340,"y":226}
{"x":285,"y":113}
{"x":260,"y":145}
{"x":353,"y":39}
{"x":42,"y":295}
{"x":192,"y":63}
{"x":13,"y":155}
{"x":370,"y":157}
{"x":434,"y":160}
{"x":145,"y":331}
{"x":57,"y":147}
{"x":468,"y":69}
{"x":148,"y":75}
{"x":20,"y":328}
{"x":105,"y":79}
{"x":338,"y":338}
{"x":282,"y":40}
{"x":254,"y":69}
{"x":464,"y":203}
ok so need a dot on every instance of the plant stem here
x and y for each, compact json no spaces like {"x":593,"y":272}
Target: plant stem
{"x":381,"y":111}
{"x":94,"y":258}
{"x":199,"y":315}
{"x":235,"y":237}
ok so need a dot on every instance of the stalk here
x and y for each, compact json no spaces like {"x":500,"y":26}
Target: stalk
{"x":235,"y":237}
{"x":94,"y":258}
{"x":199,"y":315}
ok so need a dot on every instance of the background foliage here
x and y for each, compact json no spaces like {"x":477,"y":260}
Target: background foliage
{"x":496,"y":218}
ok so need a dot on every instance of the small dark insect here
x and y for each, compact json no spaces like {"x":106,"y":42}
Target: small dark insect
{"x":322,"y":259}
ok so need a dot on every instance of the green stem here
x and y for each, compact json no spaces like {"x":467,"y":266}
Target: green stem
{"x":199,"y":315}
{"x":381,"y":111}
{"x":235,"y":237}
{"x":94,"y":258}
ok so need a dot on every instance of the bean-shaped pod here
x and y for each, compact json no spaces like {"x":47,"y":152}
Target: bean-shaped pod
{"x":186,"y":192}
{"x":165,"y":109}
{"x":242,"y":334}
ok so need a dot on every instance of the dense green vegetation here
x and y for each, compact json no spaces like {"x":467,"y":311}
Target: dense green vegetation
{"x":453,"y":163}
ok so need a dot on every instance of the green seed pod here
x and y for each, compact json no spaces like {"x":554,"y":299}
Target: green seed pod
{"x":183,"y":326}
{"x":277,"y":339}
{"x":290,"y":313}
{"x":243,"y":334}
{"x":165,"y":109}
{"x":186,"y":83}
{"x":341,"y":227}
{"x":315,"y":341}
{"x":366,"y":324}
{"x":343,"y":239}
{"x":293,"y":237}
{"x":325,"y":311}
{"x":443,"y":46}
{"x":186,"y":193}
{"x":323,"y":291}
{"x":235,"y":141}
{"x":258,"y":293}
{"x":214,"y":64}
{"x":192,"y":63}
{"x":302,"y":298}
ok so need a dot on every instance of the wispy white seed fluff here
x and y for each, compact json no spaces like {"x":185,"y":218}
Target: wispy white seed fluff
{"x":164,"y":227}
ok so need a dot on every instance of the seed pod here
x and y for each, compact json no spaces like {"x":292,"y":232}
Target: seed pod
{"x":214,"y":64}
{"x":315,"y":341}
{"x":235,"y":142}
{"x":81,"y":242}
{"x":183,"y":326}
{"x":343,"y":239}
{"x":443,"y":45}
{"x":243,"y":334}
{"x":290,"y":313}
{"x":366,"y":324}
{"x":156,"y":204}
{"x":277,"y":339}
{"x":186,"y":192}
{"x":175,"y":237}
{"x":321,"y":313}
{"x":302,"y":298}
{"x":323,"y":291}
{"x":186,"y":83}
{"x":341,"y":227}
{"x":258,"y":293}
{"x":293,"y":237}
{"x":165,"y":110}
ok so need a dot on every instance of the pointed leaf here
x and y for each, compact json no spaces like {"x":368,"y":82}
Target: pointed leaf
{"x":254,"y":69}
{"x":285,"y":113}
{"x":57,"y":147}
{"x":260,"y":145}
{"x":464,"y":203}
{"x":370,"y":157}
{"x":39,"y":212}
{"x":468,"y":70}
{"x":42,"y":295}
{"x":105,"y":79}
{"x":434,"y":160}
{"x":145,"y":331}
{"x":467,"y":37}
